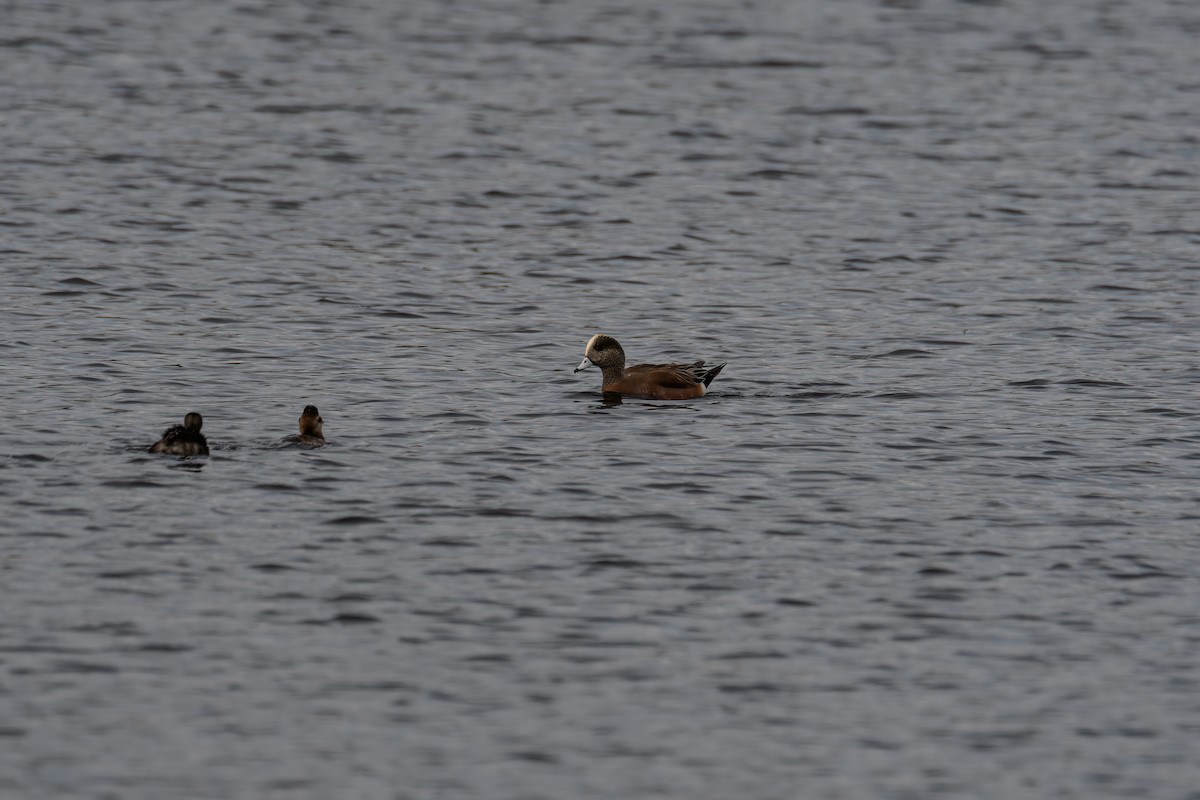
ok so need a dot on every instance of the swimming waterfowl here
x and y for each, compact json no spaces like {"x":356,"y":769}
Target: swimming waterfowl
{"x":311,"y":432}
{"x":183,"y":440}
{"x":647,"y":381}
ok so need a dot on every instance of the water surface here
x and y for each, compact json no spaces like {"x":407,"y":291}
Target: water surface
{"x":932,"y":534}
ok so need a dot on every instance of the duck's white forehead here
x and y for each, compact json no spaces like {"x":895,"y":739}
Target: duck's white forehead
{"x":591,"y":342}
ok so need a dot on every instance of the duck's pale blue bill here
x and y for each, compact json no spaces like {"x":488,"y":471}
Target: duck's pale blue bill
{"x":583,"y":364}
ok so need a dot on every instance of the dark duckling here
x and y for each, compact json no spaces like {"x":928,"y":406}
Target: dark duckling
{"x":311,"y":429}
{"x":183,"y":440}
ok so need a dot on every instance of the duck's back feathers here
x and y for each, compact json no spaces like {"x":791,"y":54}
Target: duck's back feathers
{"x":665,"y":381}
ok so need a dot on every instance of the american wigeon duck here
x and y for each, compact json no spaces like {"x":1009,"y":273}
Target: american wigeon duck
{"x":647,"y":381}
{"x":183,"y":440}
{"x":311,"y":431}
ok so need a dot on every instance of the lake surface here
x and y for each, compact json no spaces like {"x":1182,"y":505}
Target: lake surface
{"x":932,"y":534}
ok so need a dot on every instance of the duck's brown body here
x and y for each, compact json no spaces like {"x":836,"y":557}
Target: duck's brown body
{"x":646,"y":381}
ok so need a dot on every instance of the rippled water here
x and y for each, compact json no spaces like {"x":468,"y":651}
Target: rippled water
{"x":932,"y":534}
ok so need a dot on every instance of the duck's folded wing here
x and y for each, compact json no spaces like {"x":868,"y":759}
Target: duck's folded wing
{"x":671,"y":376}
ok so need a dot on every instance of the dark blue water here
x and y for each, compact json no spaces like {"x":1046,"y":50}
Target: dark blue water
{"x":931,"y":534}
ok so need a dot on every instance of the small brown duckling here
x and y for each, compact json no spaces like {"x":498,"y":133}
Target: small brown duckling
{"x":311,"y":431}
{"x":183,"y":440}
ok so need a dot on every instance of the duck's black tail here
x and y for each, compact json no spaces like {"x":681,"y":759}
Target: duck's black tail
{"x":712,"y":373}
